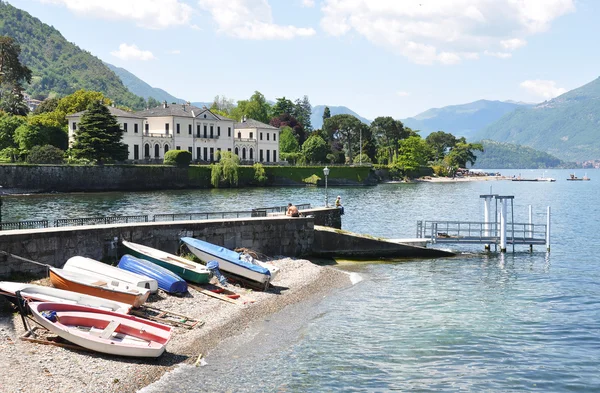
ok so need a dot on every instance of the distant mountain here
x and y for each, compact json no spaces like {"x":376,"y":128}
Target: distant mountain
{"x":141,"y":88}
{"x":316,"y":118}
{"x":59,"y":67}
{"x":567,"y":126}
{"x":499,"y":155}
{"x":461,"y":120}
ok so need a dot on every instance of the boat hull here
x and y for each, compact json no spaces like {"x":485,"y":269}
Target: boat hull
{"x":61,"y":280}
{"x":166,"y":279}
{"x":229,"y":261}
{"x":48,"y":294}
{"x":104,"y":331}
{"x":125,"y":279}
{"x":188,"y":270}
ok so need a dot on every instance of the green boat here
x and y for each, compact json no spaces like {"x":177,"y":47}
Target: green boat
{"x":184,"y":268}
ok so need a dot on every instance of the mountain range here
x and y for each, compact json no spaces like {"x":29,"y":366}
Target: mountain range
{"x":566,"y":126}
{"x":461,"y":120}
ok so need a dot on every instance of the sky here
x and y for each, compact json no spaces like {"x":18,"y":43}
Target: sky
{"x":378,"y":57}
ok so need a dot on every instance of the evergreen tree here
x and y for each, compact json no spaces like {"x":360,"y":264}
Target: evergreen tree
{"x":302,"y":112}
{"x":12,"y":75}
{"x":326,"y":114}
{"x":99,"y":136}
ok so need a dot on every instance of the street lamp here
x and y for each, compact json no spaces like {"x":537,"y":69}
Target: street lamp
{"x":326,"y":173}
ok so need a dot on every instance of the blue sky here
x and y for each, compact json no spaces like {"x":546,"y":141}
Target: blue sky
{"x":378,"y":57}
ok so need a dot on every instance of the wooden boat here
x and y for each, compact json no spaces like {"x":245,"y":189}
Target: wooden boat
{"x":118,"y":277}
{"x":232,"y":262}
{"x":103,"y":331}
{"x":167,"y":280}
{"x":90,"y":285}
{"x":48,"y":294}
{"x":184,"y":268}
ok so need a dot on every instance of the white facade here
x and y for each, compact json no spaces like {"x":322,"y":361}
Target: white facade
{"x":149,"y":134}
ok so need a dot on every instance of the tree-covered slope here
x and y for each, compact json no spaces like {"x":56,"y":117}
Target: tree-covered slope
{"x":59,"y":67}
{"x":499,"y":155}
{"x":316,"y":117}
{"x":461,"y":120}
{"x":141,"y":88}
{"x":567,"y":126}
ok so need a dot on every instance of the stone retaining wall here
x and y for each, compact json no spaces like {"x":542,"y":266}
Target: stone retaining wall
{"x":272,"y":236}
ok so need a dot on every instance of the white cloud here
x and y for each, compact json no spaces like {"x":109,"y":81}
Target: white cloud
{"x":151,"y":14}
{"x":500,"y":55}
{"x":308,"y":3}
{"x":402,"y":93}
{"x":175,"y":52}
{"x":132,"y":52}
{"x":513,"y":44}
{"x":250,"y":19}
{"x":442,"y":31}
{"x":543,"y":88}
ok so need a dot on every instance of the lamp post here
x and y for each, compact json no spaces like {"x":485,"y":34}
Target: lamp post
{"x":326,"y":173}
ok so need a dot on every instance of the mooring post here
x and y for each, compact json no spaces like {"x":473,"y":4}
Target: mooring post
{"x":530,"y":232}
{"x":548,"y":229}
{"x":503,"y":225}
{"x":487,"y":200}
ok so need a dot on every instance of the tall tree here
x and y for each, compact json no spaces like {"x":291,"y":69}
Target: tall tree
{"x":346,"y":129}
{"x":387,"y":133}
{"x":302,"y":112}
{"x":287,"y":120}
{"x":8,"y":126}
{"x":326,"y":114}
{"x":99,"y":136}
{"x":462,"y":153}
{"x":315,"y":150}
{"x":12,"y":76}
{"x":29,"y":135}
{"x":282,"y":106}
{"x":414,"y":152}
{"x":287,"y":141}
{"x":441,"y":142}
{"x":223,"y":104}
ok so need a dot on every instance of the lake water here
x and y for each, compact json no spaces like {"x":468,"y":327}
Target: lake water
{"x":477,"y":322}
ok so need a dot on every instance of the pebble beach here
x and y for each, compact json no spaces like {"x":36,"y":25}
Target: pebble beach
{"x":32,"y":367}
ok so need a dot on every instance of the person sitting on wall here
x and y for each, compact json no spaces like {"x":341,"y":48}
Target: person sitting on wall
{"x":292,"y":211}
{"x":338,"y":204}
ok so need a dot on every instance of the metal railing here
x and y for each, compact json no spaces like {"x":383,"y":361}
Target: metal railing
{"x":480,"y":232}
{"x":34,"y":224}
{"x":64,"y":222}
{"x":67,"y":222}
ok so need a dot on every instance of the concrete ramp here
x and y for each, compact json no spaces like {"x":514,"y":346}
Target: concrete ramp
{"x":330,"y":242}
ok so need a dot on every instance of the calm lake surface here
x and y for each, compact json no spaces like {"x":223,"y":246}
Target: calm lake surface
{"x":477,"y":322}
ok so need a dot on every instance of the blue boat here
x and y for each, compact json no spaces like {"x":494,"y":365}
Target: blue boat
{"x":233,"y":263}
{"x":167,"y":280}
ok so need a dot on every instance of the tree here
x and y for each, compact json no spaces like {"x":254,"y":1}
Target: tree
{"x":315,"y":149}
{"x":441,"y":142}
{"x":302,"y":112}
{"x":344,"y":128}
{"x":46,"y":154}
{"x":413,"y":152}
{"x":29,"y":135}
{"x":73,"y":103}
{"x":48,"y":105}
{"x":260,"y":175}
{"x":387,"y":133}
{"x":287,"y":120}
{"x":99,"y":136}
{"x":12,"y":76}
{"x":256,"y":108}
{"x":326,"y":114}
{"x":225,"y":171}
{"x":222,"y":104}
{"x":8,"y":125}
{"x":462,"y":153}
{"x":287,"y":141}
{"x":152,"y":102}
{"x":282,"y":106}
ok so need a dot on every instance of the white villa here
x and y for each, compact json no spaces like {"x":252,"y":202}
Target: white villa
{"x":149,"y":134}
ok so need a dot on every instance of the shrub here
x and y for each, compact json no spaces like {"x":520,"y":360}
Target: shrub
{"x":46,"y":154}
{"x":181,"y":158}
{"x":259,"y":173}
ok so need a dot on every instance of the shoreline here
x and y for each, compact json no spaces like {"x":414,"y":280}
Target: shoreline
{"x":429,"y":179}
{"x":35,"y":367}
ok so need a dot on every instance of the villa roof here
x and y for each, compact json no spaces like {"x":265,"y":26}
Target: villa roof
{"x":251,"y":123}
{"x":113,"y":111}
{"x":179,"y":110}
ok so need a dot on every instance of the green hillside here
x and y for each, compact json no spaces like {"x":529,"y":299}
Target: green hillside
{"x":498,"y":155}
{"x":567,"y":126}
{"x":461,"y":120}
{"x":59,"y":67}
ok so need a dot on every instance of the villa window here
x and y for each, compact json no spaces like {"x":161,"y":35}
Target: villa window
{"x":177,"y":147}
{"x":74,"y":126}
{"x":124,"y":127}
{"x":178,"y":128}
{"x":229,"y":132}
{"x":147,"y":128}
{"x":267,"y":137}
{"x":251,"y":135}
{"x":218,"y":131}
{"x":239,"y":135}
{"x":274,"y":137}
{"x":212,"y":131}
{"x":205,"y":129}
{"x":135,"y":128}
{"x":190,"y":129}
{"x":167,"y":128}
{"x":261,"y":136}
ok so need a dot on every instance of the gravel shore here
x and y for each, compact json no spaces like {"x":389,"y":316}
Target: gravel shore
{"x":31,"y":367}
